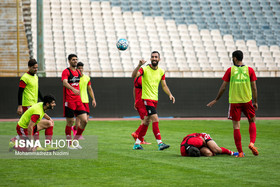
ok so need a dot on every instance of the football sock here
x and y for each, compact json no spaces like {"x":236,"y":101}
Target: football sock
{"x":138,"y":141}
{"x":49,"y":133}
{"x":139,"y":129}
{"x":237,"y":139}
{"x":142,"y":132}
{"x":36,"y":135}
{"x":252,"y":132}
{"x":226,"y":151}
{"x":79,"y":133}
{"x":159,"y":141}
{"x":75,"y":127}
{"x":156,"y":131}
{"x":68,"y":132}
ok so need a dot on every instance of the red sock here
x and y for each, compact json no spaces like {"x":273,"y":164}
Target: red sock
{"x":79,"y":133}
{"x":237,"y":139}
{"x":139,"y":129}
{"x":226,"y":151}
{"x":156,"y":131}
{"x":75,"y":127}
{"x":252,"y":132}
{"x":68,"y":132}
{"x":49,"y":133}
{"x":142,"y":132}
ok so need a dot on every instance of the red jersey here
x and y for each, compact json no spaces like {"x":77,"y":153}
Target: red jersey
{"x":138,"y":89}
{"x":194,"y":139}
{"x":252,"y":75}
{"x":73,"y":78}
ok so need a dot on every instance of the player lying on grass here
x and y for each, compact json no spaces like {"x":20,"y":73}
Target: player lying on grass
{"x":201,"y":144}
{"x":33,"y":118}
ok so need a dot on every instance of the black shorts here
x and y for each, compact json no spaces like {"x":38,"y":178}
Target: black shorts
{"x":69,"y":113}
{"x":150,"y":110}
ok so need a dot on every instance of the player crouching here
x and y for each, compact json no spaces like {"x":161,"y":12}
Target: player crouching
{"x":31,"y":122}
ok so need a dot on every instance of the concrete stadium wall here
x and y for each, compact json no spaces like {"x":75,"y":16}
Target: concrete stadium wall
{"x":114,"y":97}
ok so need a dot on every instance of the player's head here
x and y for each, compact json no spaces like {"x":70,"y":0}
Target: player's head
{"x":155,"y":58}
{"x":237,"y":56}
{"x":73,"y":60}
{"x":80,"y":66}
{"x":49,"y":101}
{"x":32,"y":66}
{"x":192,"y":151}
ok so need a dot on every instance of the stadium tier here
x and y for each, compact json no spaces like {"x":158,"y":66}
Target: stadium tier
{"x":195,"y":37}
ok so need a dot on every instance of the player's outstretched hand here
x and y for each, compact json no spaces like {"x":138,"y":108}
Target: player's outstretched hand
{"x":212,"y":103}
{"x":172,"y":98}
{"x":142,"y":62}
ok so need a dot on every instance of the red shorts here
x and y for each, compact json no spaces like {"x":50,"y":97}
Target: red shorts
{"x":235,"y":109}
{"x":72,"y":109}
{"x":86,"y":105}
{"x":151,"y":106}
{"x":24,"y":132}
{"x":24,"y":108}
{"x":141,"y":109}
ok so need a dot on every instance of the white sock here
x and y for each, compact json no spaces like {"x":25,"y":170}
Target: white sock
{"x":159,"y":141}
{"x":137,"y":141}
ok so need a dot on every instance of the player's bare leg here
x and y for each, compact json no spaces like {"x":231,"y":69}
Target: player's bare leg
{"x":237,"y":137}
{"x":204,"y":151}
{"x":47,"y":125}
{"x":212,"y":145}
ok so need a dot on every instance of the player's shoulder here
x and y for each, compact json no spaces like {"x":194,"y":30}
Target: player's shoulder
{"x":86,"y":76}
{"x":250,"y":68}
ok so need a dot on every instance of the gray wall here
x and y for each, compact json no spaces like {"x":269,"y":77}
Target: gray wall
{"x":114,"y":97}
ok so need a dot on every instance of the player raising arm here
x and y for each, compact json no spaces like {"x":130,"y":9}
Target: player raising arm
{"x":152,"y":75}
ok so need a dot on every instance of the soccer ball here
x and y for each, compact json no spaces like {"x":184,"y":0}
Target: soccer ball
{"x":122,"y":44}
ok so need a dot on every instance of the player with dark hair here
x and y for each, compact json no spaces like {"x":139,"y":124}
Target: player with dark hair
{"x":28,"y":91}
{"x":242,"y":80}
{"x":201,"y":144}
{"x":85,"y":88}
{"x":152,"y":75}
{"x":140,"y":107}
{"x":31,"y":122}
{"x":73,"y":105}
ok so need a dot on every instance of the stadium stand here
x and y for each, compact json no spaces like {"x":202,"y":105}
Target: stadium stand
{"x":8,"y":42}
{"x":195,"y":37}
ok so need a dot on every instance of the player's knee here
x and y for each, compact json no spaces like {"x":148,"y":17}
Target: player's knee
{"x":251,"y":120}
{"x":217,"y":150}
{"x":208,"y":153}
{"x":70,"y":123}
{"x":50,"y":123}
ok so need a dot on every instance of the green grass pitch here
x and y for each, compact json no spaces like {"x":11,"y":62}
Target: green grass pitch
{"x":118,"y":165}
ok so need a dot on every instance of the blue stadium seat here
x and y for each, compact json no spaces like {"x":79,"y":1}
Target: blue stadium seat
{"x":164,"y":3}
{"x":126,"y":8}
{"x":234,"y":2}
{"x":225,"y":3}
{"x":147,"y":12}
{"x":179,"y":20}
{"x":116,"y":3}
{"x":136,"y":8}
